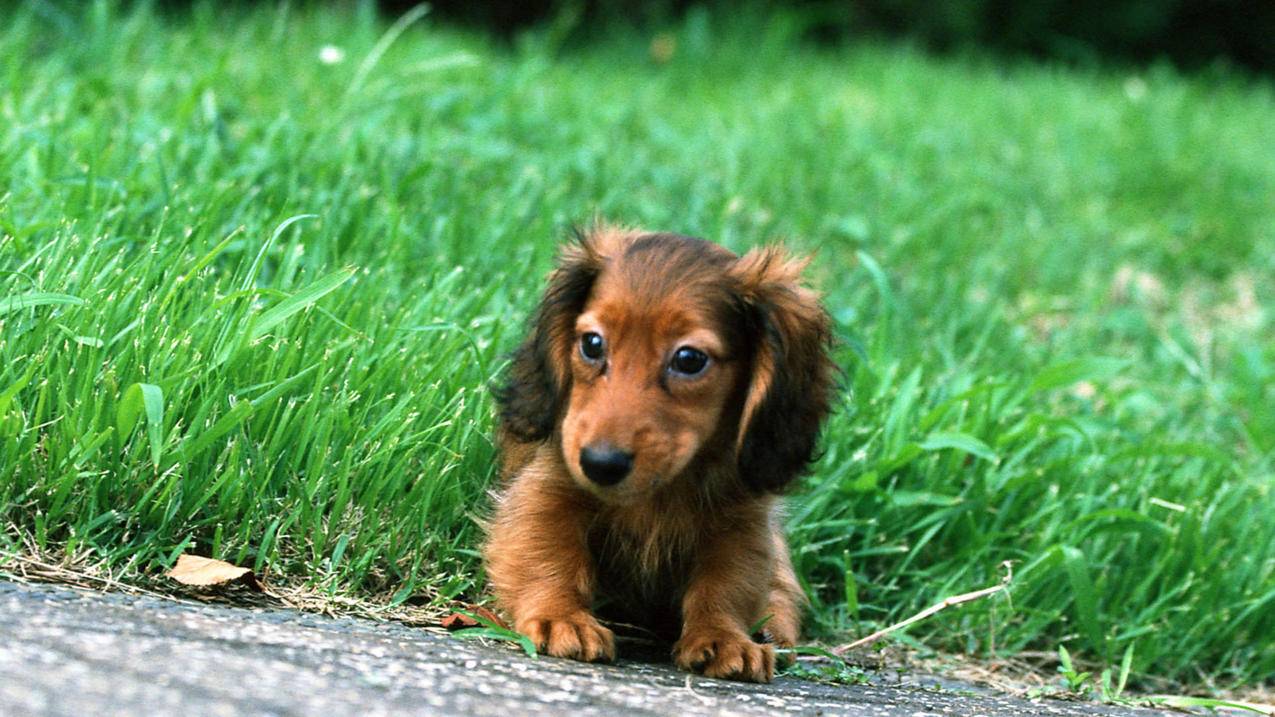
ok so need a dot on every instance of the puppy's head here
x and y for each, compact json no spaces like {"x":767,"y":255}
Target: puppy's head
{"x":653,"y":353}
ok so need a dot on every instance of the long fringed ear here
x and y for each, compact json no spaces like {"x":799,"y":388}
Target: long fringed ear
{"x":533,"y":390}
{"x":789,"y":391}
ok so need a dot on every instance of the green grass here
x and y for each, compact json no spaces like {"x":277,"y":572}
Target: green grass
{"x":251,"y":303}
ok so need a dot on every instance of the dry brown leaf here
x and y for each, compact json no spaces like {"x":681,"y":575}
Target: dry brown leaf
{"x":460,"y":620}
{"x":206,"y":572}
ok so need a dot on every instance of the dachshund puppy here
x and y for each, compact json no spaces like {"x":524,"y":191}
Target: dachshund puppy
{"x":666,"y":393}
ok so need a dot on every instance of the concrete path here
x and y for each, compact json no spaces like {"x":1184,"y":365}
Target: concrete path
{"x":70,"y":652}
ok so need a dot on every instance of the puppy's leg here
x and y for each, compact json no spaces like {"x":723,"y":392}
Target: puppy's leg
{"x":539,"y":564}
{"x":727,"y":593}
{"x":786,"y":600}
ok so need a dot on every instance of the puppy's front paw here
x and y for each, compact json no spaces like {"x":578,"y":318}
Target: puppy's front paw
{"x":578,"y":636}
{"x":782,"y":638}
{"x":725,"y":654}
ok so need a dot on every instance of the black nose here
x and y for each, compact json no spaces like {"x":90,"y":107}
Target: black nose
{"x":604,"y":464}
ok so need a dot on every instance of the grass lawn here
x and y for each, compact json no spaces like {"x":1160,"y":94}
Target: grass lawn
{"x":252,"y":293}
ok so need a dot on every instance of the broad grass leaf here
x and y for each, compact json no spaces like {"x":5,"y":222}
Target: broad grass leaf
{"x":299,"y":301}
{"x":940,"y":440}
{"x":207,"y":572}
{"x":261,"y":324}
{"x":14,"y":302}
{"x":139,"y":398}
{"x":267,"y":320}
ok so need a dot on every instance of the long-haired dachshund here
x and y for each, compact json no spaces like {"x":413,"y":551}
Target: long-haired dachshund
{"x":667,"y":391}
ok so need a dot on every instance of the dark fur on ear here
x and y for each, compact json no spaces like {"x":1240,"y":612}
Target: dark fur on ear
{"x":790,"y":389}
{"x":533,"y":390}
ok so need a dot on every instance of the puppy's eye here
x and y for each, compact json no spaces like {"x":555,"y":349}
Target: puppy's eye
{"x":688,"y":361}
{"x":592,"y":347}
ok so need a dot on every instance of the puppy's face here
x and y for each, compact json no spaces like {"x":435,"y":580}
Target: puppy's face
{"x":648,"y":351}
{"x":653,"y":375}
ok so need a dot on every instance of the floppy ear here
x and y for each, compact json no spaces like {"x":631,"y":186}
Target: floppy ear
{"x":789,"y":390}
{"x":534,"y":389}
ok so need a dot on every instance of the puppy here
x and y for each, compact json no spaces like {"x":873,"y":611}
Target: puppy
{"x":666,"y":393}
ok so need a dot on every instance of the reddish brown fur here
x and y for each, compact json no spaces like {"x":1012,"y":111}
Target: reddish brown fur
{"x":692,"y":531}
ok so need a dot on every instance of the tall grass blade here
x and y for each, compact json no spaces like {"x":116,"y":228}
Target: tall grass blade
{"x":16,"y":302}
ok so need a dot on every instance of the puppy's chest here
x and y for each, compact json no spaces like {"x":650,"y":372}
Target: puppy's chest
{"x":642,"y":571}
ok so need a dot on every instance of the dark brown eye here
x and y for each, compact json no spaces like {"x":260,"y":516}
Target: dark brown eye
{"x":688,"y":361}
{"x":592,"y":347}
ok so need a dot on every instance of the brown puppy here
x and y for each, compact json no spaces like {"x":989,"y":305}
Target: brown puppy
{"x":666,"y":393}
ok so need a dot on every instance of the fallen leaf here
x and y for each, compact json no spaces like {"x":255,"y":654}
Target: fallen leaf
{"x":206,"y":572}
{"x":458,"y":621}
{"x":464,"y":617}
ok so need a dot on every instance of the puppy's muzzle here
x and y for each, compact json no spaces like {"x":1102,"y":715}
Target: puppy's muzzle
{"x":605,"y":464}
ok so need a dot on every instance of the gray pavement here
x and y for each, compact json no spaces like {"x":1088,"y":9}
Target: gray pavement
{"x":71,"y":652}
